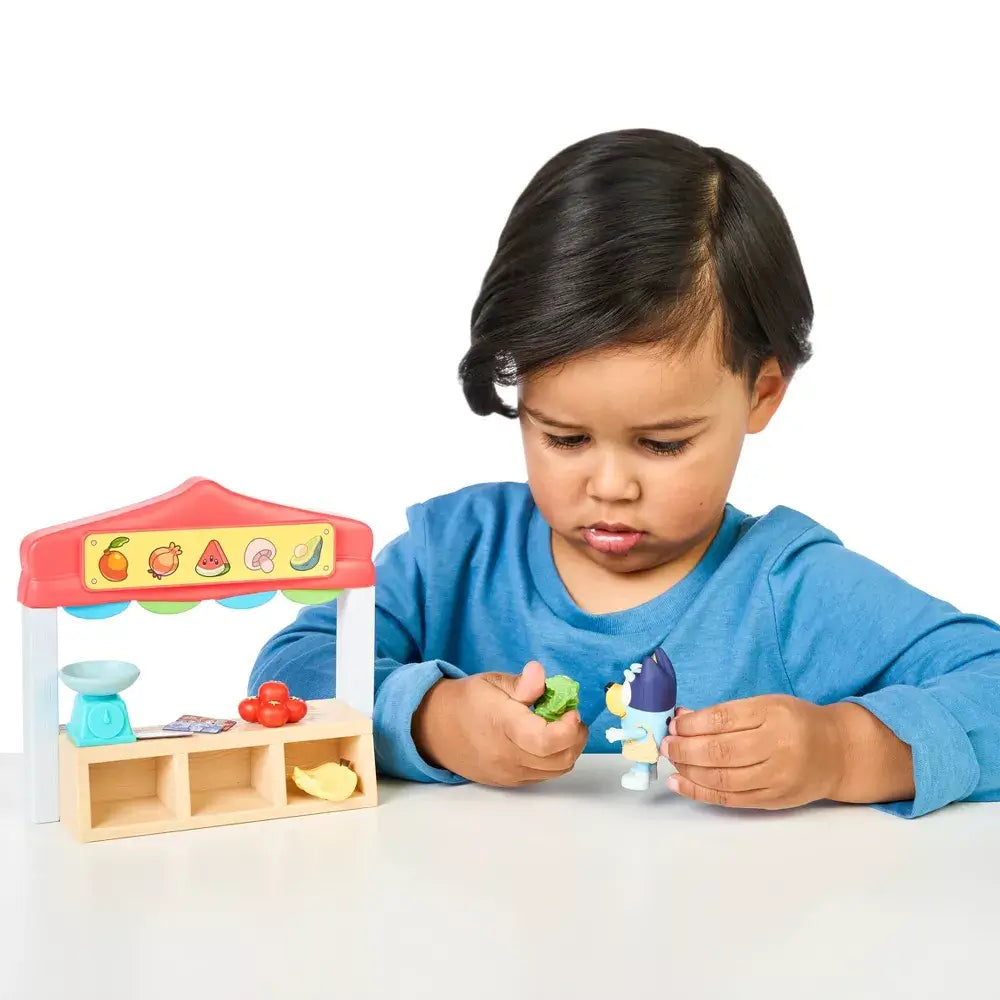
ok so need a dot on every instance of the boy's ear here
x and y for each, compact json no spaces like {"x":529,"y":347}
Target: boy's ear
{"x":768,"y":392}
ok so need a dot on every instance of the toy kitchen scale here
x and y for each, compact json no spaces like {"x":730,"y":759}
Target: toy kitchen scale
{"x":99,"y":715}
{"x":165,"y":556}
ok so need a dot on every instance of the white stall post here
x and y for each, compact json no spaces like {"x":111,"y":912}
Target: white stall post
{"x":40,"y":652}
{"x":355,"y":664}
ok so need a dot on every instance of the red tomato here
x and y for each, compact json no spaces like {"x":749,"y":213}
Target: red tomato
{"x":296,"y":709}
{"x":248,"y":709}
{"x":272,"y":714}
{"x":273,"y":691}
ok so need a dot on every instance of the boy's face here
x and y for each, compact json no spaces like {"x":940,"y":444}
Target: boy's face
{"x":631,"y":452}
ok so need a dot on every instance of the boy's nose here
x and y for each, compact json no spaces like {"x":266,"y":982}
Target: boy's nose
{"x":612,"y":481}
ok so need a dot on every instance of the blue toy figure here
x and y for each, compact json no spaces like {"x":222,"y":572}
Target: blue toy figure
{"x":645,"y":702}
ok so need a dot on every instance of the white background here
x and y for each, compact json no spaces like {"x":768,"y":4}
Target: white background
{"x":243,"y":241}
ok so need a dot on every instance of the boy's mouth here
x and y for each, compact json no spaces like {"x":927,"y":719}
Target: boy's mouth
{"x":612,"y":538}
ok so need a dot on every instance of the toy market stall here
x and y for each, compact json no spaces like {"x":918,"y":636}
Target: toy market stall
{"x":283,"y":757}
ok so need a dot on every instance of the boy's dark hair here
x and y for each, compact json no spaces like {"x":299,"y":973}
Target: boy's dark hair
{"x":637,"y":236}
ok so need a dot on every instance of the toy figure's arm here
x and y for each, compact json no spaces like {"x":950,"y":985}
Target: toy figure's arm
{"x":625,"y":735}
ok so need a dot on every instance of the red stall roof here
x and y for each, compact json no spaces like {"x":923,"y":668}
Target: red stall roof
{"x":198,"y":542}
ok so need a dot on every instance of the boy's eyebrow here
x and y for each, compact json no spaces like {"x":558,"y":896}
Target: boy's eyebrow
{"x":672,"y":425}
{"x":679,"y":424}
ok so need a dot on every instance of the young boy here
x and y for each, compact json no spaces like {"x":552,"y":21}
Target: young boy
{"x":647,"y":300}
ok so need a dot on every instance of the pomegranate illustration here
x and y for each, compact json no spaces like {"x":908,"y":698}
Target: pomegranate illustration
{"x":163,"y":561}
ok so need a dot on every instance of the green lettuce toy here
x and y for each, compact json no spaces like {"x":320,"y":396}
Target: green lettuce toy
{"x":561,"y":695}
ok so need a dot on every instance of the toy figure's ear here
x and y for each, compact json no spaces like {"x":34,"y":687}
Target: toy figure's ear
{"x":613,"y":700}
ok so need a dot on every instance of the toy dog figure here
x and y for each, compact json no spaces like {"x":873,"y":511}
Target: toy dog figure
{"x":645,"y":702}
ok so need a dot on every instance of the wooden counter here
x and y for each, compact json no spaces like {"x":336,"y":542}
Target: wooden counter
{"x":188,"y":782}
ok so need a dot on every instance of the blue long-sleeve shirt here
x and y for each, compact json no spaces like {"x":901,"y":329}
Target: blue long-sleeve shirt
{"x":776,"y":605}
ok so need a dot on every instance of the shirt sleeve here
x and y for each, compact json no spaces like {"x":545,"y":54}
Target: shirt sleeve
{"x":303,"y":656}
{"x":849,"y":630}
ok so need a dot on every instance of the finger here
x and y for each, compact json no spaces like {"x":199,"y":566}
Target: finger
{"x":533,"y":735}
{"x":530,"y":684}
{"x":548,"y":740}
{"x":759,"y":799}
{"x":560,"y":760}
{"x":672,"y":728}
{"x":727,"y":717}
{"x":724,"y":750}
{"x":543,"y":768}
{"x":515,"y":779}
{"x":518,"y":775}
{"x":751,"y":778}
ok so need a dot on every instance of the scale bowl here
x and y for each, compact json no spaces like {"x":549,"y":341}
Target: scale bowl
{"x":99,"y":676}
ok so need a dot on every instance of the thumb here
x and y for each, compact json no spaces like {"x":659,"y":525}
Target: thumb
{"x":530,"y":684}
{"x":526,"y":687}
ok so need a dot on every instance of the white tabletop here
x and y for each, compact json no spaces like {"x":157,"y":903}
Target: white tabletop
{"x":575,"y":889}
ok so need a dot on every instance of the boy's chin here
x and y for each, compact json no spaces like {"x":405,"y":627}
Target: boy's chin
{"x":644,"y":555}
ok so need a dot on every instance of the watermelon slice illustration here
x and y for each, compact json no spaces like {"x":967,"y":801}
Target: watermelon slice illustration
{"x":213,"y":561}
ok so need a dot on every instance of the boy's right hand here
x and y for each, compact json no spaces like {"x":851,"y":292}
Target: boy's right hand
{"x":482,"y":728}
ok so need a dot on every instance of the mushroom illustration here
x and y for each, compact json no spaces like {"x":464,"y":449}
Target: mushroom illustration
{"x":260,"y":555}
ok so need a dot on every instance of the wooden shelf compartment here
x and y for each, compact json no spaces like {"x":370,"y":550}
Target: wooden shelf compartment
{"x":189,"y":782}
{"x":137,"y":790}
{"x":244,"y":779}
{"x":357,"y":751}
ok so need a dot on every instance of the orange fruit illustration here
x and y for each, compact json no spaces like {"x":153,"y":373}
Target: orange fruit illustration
{"x":113,"y":565}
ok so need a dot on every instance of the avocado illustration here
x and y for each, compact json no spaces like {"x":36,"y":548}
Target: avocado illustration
{"x":306,"y":555}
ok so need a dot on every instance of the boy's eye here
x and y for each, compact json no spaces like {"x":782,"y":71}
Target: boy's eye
{"x":578,"y":440}
{"x":572,"y":441}
{"x":666,"y":447}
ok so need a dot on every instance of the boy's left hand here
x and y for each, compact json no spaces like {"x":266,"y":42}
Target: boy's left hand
{"x":767,"y":752}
